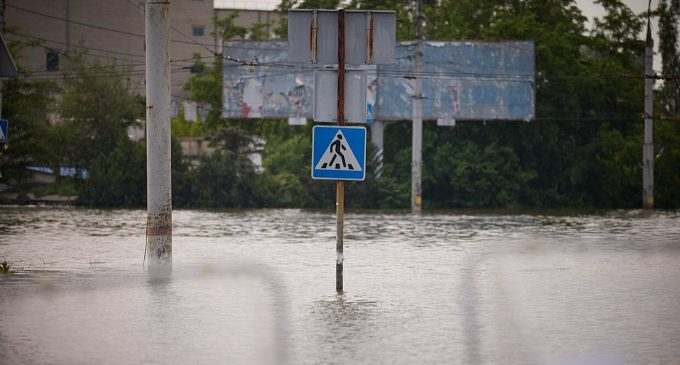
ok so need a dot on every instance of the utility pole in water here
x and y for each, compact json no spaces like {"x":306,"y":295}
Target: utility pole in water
{"x":648,"y":146}
{"x":158,"y":178}
{"x":417,"y":133}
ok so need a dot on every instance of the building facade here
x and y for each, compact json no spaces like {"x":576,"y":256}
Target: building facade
{"x":106,"y":32}
{"x":55,"y":32}
{"x":112,"y":32}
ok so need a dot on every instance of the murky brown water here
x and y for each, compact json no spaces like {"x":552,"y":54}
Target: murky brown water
{"x":258,"y":287}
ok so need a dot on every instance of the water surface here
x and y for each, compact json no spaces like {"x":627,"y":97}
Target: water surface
{"x":258,"y":287}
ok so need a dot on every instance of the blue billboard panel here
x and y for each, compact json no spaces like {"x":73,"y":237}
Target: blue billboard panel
{"x":271,"y":89}
{"x":461,"y":81}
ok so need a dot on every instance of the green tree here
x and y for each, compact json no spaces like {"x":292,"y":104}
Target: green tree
{"x":98,"y":103}
{"x":117,"y":178}
{"x":669,"y":18}
{"x":667,"y":108}
{"x":97,"y":107}
{"x":26,"y":105}
{"x":225,"y":180}
{"x":28,"y":101}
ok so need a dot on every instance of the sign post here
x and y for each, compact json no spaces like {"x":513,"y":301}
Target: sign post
{"x":339,"y":153}
{"x":340,"y":185}
{"x":356,"y":38}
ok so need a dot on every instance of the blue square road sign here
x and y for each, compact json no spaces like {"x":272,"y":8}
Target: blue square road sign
{"x":338,"y":153}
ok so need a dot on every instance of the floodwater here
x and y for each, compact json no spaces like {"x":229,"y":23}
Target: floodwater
{"x":258,"y":286}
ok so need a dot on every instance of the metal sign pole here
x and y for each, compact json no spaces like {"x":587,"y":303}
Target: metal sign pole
{"x":417,"y":131}
{"x":340,"y":185}
{"x":648,"y":144}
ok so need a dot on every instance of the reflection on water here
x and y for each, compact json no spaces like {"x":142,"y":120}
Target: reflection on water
{"x":343,"y":325}
{"x":258,"y":287}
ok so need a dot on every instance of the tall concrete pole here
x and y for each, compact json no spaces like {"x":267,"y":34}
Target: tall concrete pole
{"x":158,"y":178}
{"x":417,"y":134}
{"x":648,"y":146}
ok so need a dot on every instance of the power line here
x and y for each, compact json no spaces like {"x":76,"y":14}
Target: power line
{"x":396,"y":71}
{"x":100,"y":27}
{"x":82,"y":47}
{"x":191,"y":40}
{"x":95,"y":55}
{"x":392,"y":71}
{"x":81,"y":68}
{"x":399,"y":73}
{"x":75,"y":21}
{"x":106,"y":66}
{"x":107,"y":73}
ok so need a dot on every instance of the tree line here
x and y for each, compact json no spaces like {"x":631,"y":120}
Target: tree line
{"x":583,"y":150}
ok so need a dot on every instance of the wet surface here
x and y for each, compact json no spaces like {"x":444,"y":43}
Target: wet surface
{"x":258,"y":287}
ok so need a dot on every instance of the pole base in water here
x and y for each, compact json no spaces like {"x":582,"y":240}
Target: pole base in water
{"x":158,"y":254}
{"x":338,"y":278}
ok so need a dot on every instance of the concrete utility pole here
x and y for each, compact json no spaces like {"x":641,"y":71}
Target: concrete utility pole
{"x":648,"y":146}
{"x":158,"y":178}
{"x":417,"y":134}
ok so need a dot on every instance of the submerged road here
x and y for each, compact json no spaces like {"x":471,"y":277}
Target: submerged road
{"x":259,"y":287}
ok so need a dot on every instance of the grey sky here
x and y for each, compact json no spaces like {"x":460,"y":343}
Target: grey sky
{"x":591,"y":10}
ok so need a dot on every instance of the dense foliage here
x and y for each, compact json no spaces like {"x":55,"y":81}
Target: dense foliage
{"x":582,"y":150}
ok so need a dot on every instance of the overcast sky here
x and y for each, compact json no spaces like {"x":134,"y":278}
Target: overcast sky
{"x":591,"y":10}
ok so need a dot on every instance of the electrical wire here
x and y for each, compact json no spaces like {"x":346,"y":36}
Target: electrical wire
{"x":191,"y":40}
{"x":113,"y":30}
{"x":76,"y":46}
{"x":93,"y":26}
{"x":394,"y":72}
{"x":108,"y":66}
{"x":73,"y":75}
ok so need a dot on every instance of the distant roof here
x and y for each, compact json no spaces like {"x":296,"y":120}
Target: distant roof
{"x":247,"y":4}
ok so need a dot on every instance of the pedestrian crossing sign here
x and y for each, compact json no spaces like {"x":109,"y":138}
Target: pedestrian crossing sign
{"x":338,"y":153}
